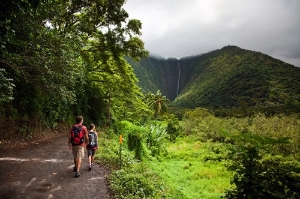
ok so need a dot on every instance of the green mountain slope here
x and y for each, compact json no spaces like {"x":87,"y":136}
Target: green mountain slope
{"x":227,"y":78}
{"x":156,"y":73}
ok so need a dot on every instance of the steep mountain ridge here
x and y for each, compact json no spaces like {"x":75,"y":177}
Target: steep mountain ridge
{"x":224,"y":78}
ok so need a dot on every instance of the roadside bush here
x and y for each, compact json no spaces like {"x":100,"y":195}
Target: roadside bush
{"x":155,"y":136}
{"x":123,"y":127}
{"x":136,"y":182}
{"x":144,"y":141}
{"x":108,"y":149}
{"x":259,"y":172}
{"x":135,"y":143}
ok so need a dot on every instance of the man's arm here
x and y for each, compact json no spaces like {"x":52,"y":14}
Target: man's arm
{"x":86,"y":137}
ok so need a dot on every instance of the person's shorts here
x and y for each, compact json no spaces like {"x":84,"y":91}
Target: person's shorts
{"x":91,"y":152}
{"x":78,"y":152}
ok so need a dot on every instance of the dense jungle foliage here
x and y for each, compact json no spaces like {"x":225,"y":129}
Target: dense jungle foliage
{"x":59,"y":59}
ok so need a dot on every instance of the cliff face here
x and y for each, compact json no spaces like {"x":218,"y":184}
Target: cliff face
{"x":158,"y":74}
{"x":170,"y":76}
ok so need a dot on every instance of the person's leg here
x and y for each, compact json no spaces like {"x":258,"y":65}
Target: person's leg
{"x":78,"y":164}
{"x":89,"y":158}
{"x":75,"y":151}
{"x":92,"y":159}
{"x":89,"y":151}
{"x":90,"y":164}
{"x":93,"y":156}
{"x":80,"y":155}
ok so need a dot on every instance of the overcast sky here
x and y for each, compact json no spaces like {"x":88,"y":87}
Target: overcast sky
{"x":179,"y":28}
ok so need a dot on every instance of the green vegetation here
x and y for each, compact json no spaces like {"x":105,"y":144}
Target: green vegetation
{"x":261,"y":172}
{"x":59,"y":59}
{"x":210,"y":158}
{"x":192,"y":170}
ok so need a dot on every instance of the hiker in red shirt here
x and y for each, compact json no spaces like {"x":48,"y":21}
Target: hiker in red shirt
{"x":77,"y":139}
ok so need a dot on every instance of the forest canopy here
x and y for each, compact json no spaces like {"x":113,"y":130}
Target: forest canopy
{"x":61,"y":58}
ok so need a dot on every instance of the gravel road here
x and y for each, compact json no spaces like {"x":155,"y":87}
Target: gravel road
{"x":43,"y":170}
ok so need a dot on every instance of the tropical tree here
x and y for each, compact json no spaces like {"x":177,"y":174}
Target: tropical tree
{"x":108,"y":36}
{"x":118,"y":89}
{"x":157,"y":103}
{"x":38,"y":61}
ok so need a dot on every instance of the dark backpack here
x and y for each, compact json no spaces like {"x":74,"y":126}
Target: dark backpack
{"x":77,"y":136}
{"x":92,"y":140}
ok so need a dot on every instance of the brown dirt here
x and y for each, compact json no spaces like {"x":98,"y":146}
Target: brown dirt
{"x":43,"y":170}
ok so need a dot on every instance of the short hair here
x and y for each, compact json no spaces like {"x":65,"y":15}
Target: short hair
{"x":91,"y":126}
{"x":79,"y":119}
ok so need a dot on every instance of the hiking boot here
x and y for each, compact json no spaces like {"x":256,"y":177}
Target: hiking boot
{"x":90,"y":167}
{"x":77,"y":174}
{"x":74,"y":169}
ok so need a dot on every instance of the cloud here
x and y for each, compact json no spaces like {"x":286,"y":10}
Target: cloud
{"x":176,"y":28}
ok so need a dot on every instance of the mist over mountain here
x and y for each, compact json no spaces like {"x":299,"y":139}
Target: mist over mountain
{"x":225,"y":78}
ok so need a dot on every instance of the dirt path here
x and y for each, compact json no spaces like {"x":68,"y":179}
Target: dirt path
{"x":44,"y":171}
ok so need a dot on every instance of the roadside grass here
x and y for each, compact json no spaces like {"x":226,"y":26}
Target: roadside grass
{"x":186,"y":169}
{"x":190,"y":169}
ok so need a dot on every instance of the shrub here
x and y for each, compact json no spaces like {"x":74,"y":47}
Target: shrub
{"x":204,"y":124}
{"x":136,"y":182}
{"x":257,"y":176}
{"x":173,"y":128}
{"x":155,"y":135}
{"x":135,"y":143}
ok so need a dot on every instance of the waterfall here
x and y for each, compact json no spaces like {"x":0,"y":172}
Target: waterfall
{"x":178,"y":78}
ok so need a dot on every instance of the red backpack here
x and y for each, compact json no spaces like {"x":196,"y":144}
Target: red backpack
{"x":77,"y":136}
